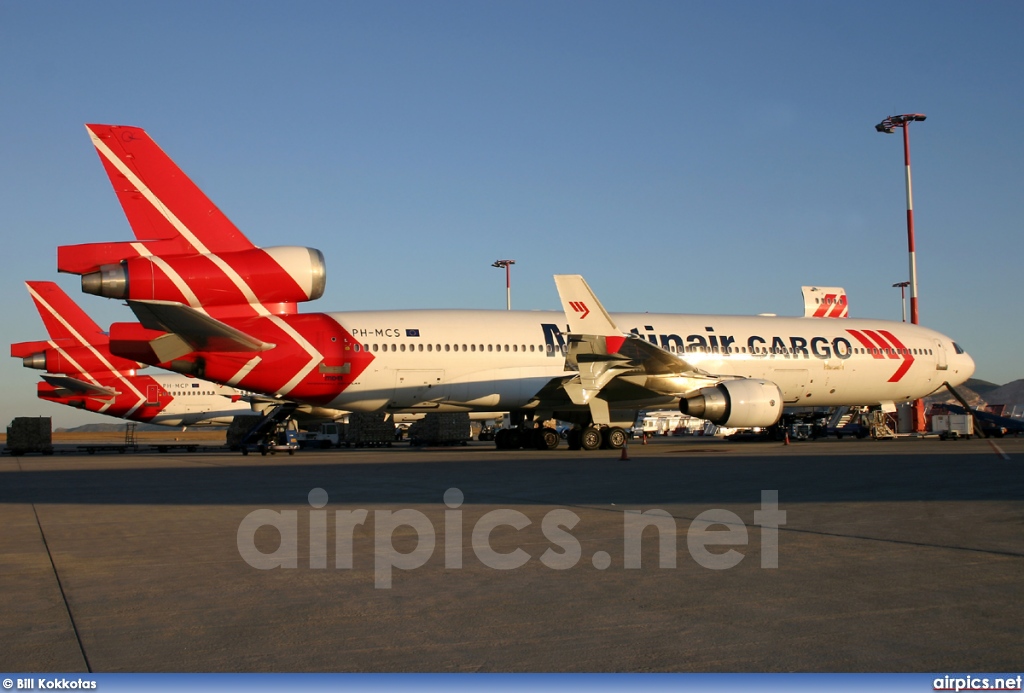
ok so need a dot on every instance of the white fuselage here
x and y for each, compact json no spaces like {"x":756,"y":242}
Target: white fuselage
{"x":192,"y":402}
{"x":459,"y":360}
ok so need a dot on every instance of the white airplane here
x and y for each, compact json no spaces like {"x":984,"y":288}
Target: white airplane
{"x":213,"y":305}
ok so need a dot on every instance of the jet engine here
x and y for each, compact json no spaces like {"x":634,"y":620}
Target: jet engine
{"x":280,"y":275}
{"x":736,"y":403}
{"x":74,"y":360}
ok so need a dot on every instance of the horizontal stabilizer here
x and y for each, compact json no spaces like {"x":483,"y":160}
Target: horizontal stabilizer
{"x":79,"y":387}
{"x":20,"y":350}
{"x":196,"y":329}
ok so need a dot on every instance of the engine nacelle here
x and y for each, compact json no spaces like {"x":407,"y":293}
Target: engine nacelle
{"x":736,"y":403}
{"x":282,"y":275}
{"x":76,"y":360}
{"x":36,"y":360}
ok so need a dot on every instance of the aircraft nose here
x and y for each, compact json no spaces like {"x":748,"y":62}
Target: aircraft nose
{"x":968,"y":366}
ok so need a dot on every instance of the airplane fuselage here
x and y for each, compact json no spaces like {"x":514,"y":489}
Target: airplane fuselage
{"x":467,"y":360}
{"x":164,"y":399}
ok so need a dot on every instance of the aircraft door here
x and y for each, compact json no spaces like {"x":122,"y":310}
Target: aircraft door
{"x":941,"y":363}
{"x":152,"y":395}
{"x":792,"y":381}
{"x":419,"y":388}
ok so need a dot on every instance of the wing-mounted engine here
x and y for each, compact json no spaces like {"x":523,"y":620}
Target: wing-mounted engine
{"x":739,"y":403}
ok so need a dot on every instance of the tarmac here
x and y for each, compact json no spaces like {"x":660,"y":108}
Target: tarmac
{"x":890,"y":556}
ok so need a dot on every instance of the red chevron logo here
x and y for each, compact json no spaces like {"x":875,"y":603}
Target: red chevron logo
{"x":580,"y":307}
{"x":884,"y":344}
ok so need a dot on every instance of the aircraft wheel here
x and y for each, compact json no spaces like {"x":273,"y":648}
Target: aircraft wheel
{"x":591,"y":438}
{"x":573,"y":437}
{"x":501,"y":439}
{"x":546,"y":438}
{"x":615,"y":438}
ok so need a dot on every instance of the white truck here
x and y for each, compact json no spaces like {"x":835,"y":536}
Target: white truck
{"x":326,"y":435}
{"x":953,"y":426}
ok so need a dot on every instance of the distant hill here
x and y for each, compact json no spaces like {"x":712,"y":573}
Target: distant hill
{"x":944,"y":396}
{"x":982,"y":387}
{"x":119,"y":427}
{"x":1011,"y":393}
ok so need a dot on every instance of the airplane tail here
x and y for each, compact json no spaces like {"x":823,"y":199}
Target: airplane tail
{"x":186,"y":250}
{"x":63,"y":318}
{"x":583,"y":312}
{"x":160,"y":201}
{"x":825,"y":302}
{"x":77,"y":346}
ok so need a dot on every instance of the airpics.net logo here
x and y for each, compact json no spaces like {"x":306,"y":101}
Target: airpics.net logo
{"x":713,"y":528}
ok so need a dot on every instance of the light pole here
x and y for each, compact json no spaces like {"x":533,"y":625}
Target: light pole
{"x":507,"y":264}
{"x":903,"y":296}
{"x":888,"y":126}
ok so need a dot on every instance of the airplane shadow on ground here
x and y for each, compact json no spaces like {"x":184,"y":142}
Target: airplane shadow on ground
{"x":560,"y":479}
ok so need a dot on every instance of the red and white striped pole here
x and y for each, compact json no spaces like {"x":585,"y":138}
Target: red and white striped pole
{"x":910,"y":225}
{"x":507,"y":264}
{"x":889,"y":126}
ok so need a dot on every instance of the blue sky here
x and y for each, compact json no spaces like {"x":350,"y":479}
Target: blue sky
{"x":683,"y":156}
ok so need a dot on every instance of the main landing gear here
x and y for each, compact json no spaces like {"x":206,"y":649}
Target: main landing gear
{"x":596,"y":438}
{"x":584,"y":435}
{"x":515,"y":438}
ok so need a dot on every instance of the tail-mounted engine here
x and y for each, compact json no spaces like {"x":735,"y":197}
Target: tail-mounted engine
{"x":276,"y":277}
{"x":69,"y":359}
{"x":736,"y":403}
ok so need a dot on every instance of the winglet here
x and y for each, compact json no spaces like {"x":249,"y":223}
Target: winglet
{"x":583,"y":312}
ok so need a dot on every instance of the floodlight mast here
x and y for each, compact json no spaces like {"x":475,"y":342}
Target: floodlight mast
{"x":507,"y":264}
{"x":903,"y":296}
{"x":888,"y":126}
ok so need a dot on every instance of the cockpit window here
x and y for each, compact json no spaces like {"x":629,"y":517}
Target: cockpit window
{"x":959,"y":349}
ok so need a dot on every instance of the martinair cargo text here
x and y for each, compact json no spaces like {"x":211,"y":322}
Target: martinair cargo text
{"x":213,"y":305}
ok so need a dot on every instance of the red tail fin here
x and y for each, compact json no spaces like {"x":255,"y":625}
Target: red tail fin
{"x":63,"y":318}
{"x":186,"y":250}
{"x":160,"y":201}
{"x":77,"y":345}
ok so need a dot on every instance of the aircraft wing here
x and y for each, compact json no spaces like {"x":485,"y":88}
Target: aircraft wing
{"x":193,"y":329}
{"x":602,"y":353}
{"x":79,"y":387}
